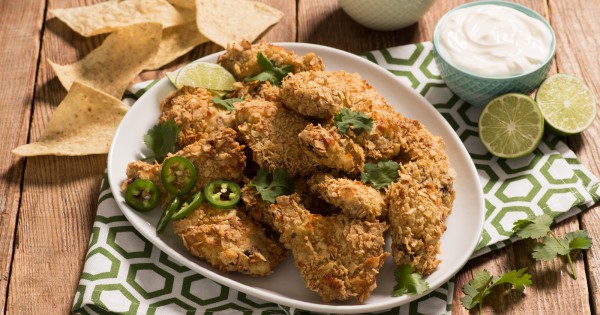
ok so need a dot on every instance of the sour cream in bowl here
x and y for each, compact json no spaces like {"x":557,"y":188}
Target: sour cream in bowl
{"x":488,"y":48}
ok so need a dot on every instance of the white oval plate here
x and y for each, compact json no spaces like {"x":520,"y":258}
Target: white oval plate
{"x":285,"y":286}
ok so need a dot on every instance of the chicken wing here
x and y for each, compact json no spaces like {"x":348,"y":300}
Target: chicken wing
{"x":337,"y":257}
{"x":356,"y":199}
{"x":240,"y":59}
{"x":229,"y":240}
{"x":326,"y":146}
{"x":271,"y":131}
{"x":194,"y":113}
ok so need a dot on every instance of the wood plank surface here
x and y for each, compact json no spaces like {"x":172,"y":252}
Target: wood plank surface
{"x":20,"y":52}
{"x":47,"y":204}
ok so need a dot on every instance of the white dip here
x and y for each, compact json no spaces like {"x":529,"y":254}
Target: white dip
{"x":493,"y":40}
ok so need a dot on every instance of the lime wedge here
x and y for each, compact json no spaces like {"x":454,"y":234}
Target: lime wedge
{"x":568,"y":105}
{"x":511,"y":125}
{"x":172,"y":76}
{"x":210,"y":76}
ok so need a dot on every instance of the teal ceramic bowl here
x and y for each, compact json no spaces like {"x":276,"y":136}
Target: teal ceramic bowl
{"x":477,"y":89}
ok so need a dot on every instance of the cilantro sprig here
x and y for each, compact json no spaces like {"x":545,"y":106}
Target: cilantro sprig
{"x":381,"y":174}
{"x":408,"y":281}
{"x":162,"y":139}
{"x":347,"y":118}
{"x":280,"y":184}
{"x":270,"y":72}
{"x":226,"y":103}
{"x":483,"y":283}
{"x":552,"y":246}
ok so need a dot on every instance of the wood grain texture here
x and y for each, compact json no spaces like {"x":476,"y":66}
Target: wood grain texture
{"x":18,"y":65}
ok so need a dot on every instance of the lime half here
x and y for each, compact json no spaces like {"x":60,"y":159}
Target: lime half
{"x":172,"y":76}
{"x":511,"y":125}
{"x":568,"y":105}
{"x":210,"y":76}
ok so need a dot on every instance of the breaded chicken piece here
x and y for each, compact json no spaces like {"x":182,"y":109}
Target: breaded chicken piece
{"x":271,"y":131}
{"x":218,"y":156}
{"x":385,"y":140}
{"x":337,"y":257}
{"x":322,"y":94}
{"x":356,"y":199}
{"x":193,"y":111}
{"x":328,"y":147}
{"x":229,"y":240}
{"x":240,"y":59}
{"x":420,"y":199}
{"x":256,"y":90}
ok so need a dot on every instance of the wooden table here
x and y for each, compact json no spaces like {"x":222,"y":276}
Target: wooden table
{"x":47,"y":204}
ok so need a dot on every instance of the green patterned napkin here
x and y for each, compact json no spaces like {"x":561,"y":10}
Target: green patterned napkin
{"x":125,"y":273}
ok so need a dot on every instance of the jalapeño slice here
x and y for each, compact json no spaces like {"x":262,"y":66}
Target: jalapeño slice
{"x":222,"y":194}
{"x":166,"y":216}
{"x":188,"y":206}
{"x":178,"y":175}
{"x":142,"y":195}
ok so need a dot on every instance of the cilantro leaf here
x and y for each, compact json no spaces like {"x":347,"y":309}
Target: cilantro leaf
{"x":533,"y":228}
{"x":549,"y":248}
{"x":162,"y":138}
{"x":270,"y":72}
{"x":226,"y":103}
{"x":408,"y":282}
{"x":359,"y":122}
{"x":578,"y":240}
{"x":381,"y":174}
{"x":483,"y":282}
{"x":281,"y":184}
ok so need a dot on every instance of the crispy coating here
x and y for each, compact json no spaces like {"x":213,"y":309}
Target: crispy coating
{"x":328,"y":147}
{"x":193,"y":111}
{"x":322,"y":94}
{"x":271,"y":131}
{"x":337,"y":257}
{"x":142,"y":170}
{"x":420,"y":199}
{"x":240,"y":59}
{"x":256,"y":90}
{"x":229,"y":240}
{"x":218,"y":156}
{"x":356,"y":199}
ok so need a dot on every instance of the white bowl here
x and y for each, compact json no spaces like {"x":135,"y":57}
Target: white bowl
{"x":386,"y":15}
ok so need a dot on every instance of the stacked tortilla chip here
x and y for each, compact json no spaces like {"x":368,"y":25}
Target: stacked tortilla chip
{"x":145,"y":35}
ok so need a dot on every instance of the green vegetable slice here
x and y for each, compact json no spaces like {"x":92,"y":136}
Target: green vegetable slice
{"x":222,"y":194}
{"x":142,"y":195}
{"x":178,"y":175}
{"x":167,"y":214}
{"x":188,"y":206}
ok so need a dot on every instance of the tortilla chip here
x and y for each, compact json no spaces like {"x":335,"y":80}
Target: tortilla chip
{"x":188,"y":4}
{"x":106,"y":17}
{"x":84,"y":123}
{"x":230,"y":21}
{"x":119,"y":59}
{"x":176,"y":41}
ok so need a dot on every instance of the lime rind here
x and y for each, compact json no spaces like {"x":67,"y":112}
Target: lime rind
{"x":567,"y":104}
{"x":511,"y":126}
{"x":210,"y":76}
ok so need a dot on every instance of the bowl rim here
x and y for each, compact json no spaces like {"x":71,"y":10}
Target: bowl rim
{"x":519,"y":7}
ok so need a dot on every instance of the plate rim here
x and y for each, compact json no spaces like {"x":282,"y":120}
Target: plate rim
{"x":284,"y":300}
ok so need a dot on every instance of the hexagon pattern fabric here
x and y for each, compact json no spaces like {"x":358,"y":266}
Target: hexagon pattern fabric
{"x":124,"y":273}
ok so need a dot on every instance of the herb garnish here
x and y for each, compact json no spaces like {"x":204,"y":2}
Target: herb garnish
{"x":281,"y":184}
{"x":359,"y":122}
{"x":551,"y":246}
{"x":226,"y":103}
{"x":483,"y":282}
{"x":270,"y":72}
{"x":161,"y":139}
{"x":408,"y":282}
{"x":381,"y":174}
